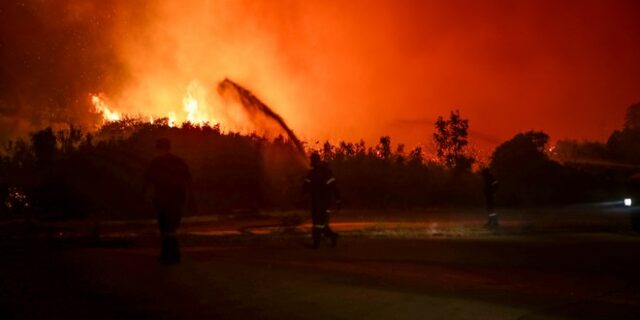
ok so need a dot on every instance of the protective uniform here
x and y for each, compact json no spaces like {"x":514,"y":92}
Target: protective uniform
{"x":321,"y":184}
{"x":490,"y":188}
{"x":170,"y":178}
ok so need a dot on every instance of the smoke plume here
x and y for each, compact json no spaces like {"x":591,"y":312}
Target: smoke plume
{"x":54,"y":53}
{"x":335,"y":69}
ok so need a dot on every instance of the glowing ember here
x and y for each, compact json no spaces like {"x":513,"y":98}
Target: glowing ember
{"x":101,"y":107}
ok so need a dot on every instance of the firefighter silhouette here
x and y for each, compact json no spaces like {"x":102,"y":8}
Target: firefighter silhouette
{"x":170,"y":179}
{"x":321,"y":184}
{"x":490,"y":188}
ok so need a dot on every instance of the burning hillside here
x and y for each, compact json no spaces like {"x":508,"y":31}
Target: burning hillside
{"x":198,"y":111}
{"x":194,"y":110}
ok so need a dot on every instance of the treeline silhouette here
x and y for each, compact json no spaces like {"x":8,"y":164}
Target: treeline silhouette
{"x":69,"y":173}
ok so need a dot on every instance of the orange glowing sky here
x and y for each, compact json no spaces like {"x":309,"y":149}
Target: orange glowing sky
{"x":348,"y":69}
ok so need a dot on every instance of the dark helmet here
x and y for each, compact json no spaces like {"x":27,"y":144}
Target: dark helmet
{"x":315,"y":159}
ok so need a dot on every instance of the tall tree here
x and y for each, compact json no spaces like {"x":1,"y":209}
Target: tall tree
{"x":526,"y":174}
{"x":632,"y":117}
{"x":451,"y":139}
{"x":416,"y":156}
{"x":624,"y":145}
{"x":521,"y":153}
{"x":44,"y":145}
{"x":383,"y":149}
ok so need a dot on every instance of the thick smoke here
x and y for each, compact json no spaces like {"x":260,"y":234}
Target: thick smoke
{"x":329,"y":66}
{"x":54,"y":53}
{"x":141,"y":55}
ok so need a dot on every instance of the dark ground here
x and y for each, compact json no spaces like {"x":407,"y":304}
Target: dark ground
{"x":440,"y":266}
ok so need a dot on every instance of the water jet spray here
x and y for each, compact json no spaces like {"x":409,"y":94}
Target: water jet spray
{"x":253,"y":106}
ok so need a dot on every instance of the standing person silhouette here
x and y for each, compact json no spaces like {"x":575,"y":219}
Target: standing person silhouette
{"x":490,"y":188}
{"x":321,"y":184}
{"x":170,"y":179}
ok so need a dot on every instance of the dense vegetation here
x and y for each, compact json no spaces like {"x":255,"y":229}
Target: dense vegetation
{"x":70,"y":173}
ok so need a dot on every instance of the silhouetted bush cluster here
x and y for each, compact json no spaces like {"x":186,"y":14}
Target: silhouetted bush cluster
{"x":529,"y":176}
{"x":72,"y":174}
{"x":377,"y":177}
{"x":69,"y":173}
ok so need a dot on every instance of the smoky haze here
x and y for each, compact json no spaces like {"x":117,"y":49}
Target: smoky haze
{"x":332,"y":69}
{"x":54,"y":53}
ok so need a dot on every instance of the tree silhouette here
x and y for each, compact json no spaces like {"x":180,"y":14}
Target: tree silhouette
{"x":247,"y":173}
{"x":400,"y":155}
{"x":416,"y":156}
{"x":527,"y":175}
{"x":383,"y":149}
{"x":632,"y":117}
{"x":575,"y":151}
{"x":451,"y":139}
{"x":624,"y":145}
{"x":44,"y":147}
{"x":523,"y":149}
{"x":69,"y":139}
{"x":328,"y":151}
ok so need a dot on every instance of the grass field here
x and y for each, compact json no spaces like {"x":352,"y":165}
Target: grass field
{"x":542,"y":264}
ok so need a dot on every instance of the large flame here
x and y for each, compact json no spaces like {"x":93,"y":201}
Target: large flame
{"x":195,"y":105}
{"x":195,"y":109}
{"x":101,"y":107}
{"x":175,"y":58}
